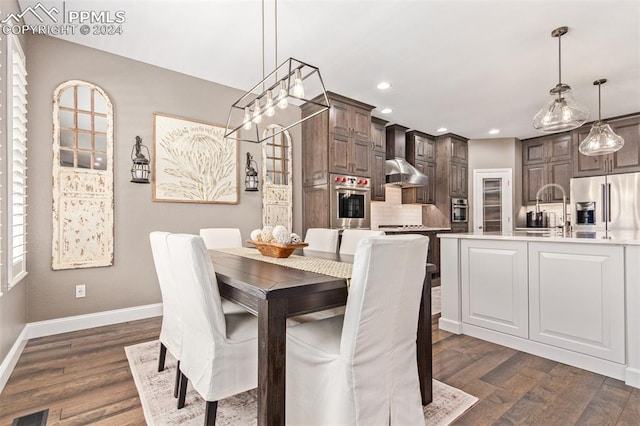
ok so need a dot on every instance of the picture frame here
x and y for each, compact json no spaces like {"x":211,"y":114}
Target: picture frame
{"x":193,"y":162}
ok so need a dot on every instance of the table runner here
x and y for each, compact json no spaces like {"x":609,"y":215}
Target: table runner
{"x":309,"y":264}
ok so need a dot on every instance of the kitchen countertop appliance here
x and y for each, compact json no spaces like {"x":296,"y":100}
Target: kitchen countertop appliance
{"x":603,"y":203}
{"x":537,"y":219}
{"x":349,"y":202}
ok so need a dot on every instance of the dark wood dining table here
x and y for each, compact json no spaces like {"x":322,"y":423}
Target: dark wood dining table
{"x":274,"y":292}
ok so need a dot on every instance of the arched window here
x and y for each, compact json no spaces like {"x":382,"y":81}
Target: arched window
{"x":82,"y":176}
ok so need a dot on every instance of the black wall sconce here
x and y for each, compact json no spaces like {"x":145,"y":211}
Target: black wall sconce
{"x":140,"y":170}
{"x":251,"y":180}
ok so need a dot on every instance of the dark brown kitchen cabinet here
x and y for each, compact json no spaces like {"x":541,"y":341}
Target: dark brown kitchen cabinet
{"x":458,"y":182}
{"x":545,"y":149}
{"x":335,"y":141}
{"x":459,"y":150}
{"x":546,"y":159}
{"x":626,"y":160}
{"x":534,"y":176}
{"x":426,"y":194}
{"x":420,"y":147}
{"x":378,"y":157}
{"x":315,"y":202}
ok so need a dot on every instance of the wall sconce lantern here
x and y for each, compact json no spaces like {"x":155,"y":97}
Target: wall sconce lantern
{"x":251,"y":180}
{"x":140,"y":170}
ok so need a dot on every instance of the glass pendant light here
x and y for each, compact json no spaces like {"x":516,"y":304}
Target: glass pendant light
{"x":601,"y":139}
{"x":257,"y":118}
{"x":247,"y":119}
{"x":298,"y":90}
{"x":282,"y":96}
{"x":269,"y":110}
{"x":562,"y":111}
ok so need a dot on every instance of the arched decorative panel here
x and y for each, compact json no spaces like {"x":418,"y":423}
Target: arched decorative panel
{"x":277,"y":192}
{"x":82,"y":177}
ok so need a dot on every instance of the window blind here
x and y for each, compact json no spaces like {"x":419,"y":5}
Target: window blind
{"x":17,"y":166}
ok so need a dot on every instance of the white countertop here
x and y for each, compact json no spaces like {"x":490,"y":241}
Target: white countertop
{"x":611,"y":237}
{"x":403,"y":229}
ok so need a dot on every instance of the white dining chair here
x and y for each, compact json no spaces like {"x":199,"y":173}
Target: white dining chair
{"x":351,"y":237}
{"x":215,"y":238}
{"x":171,"y":328}
{"x":360,"y":368}
{"x":322,"y":239}
{"x":221,"y":237}
{"x":219,"y":351}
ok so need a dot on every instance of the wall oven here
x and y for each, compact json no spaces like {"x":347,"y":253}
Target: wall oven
{"x":459,"y":210}
{"x":349,"y":202}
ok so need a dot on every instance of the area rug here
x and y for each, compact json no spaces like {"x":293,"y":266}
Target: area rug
{"x":156,"y":395}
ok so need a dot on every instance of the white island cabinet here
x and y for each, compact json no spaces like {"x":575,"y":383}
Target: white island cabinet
{"x":574,"y":299}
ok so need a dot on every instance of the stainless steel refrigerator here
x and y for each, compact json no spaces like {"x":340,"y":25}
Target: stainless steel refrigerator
{"x":606,"y":202}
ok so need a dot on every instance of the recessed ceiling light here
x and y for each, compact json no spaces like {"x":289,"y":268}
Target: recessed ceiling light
{"x":442,"y":129}
{"x":386,"y":110}
{"x":494,"y":131}
{"x":383,"y":85}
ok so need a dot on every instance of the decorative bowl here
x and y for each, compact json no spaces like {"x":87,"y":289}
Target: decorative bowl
{"x":276,"y":250}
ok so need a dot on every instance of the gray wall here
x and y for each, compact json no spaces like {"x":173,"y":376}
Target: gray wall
{"x":136,"y":90}
{"x":499,"y":153}
{"x":13,"y":314}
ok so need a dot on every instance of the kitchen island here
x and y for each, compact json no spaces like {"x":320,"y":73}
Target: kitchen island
{"x":572,"y":298}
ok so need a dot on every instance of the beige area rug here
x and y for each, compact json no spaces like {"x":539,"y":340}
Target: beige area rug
{"x":159,"y":406}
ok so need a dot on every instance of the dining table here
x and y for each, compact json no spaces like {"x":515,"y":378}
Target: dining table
{"x":275,"y":292}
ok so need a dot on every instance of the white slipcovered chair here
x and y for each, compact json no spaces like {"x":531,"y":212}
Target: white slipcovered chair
{"x":221,"y":237}
{"x":171,"y":329}
{"x":322,"y":239}
{"x":360,"y":368}
{"x":219,"y":351}
{"x":351,"y":237}
{"x":215,"y":238}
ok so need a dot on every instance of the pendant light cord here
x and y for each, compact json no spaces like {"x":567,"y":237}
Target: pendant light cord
{"x":599,"y":105}
{"x":559,"y":67}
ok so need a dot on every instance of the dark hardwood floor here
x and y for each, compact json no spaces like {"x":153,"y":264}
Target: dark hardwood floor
{"x":84,"y":378}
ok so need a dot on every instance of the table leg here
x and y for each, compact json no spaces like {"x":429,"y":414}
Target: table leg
{"x":423,"y":343}
{"x":272,"y":340}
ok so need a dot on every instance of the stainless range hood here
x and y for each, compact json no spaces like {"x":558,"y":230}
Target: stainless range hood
{"x":398,"y":171}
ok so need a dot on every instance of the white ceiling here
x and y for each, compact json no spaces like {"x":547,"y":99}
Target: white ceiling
{"x":468,"y":66}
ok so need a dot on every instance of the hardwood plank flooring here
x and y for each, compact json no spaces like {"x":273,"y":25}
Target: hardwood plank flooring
{"x":84,"y":378}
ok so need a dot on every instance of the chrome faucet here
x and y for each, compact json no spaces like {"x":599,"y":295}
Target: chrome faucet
{"x":565,"y":223}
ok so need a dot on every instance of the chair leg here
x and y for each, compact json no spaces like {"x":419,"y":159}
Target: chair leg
{"x":182,"y":395}
{"x":177,"y":385}
{"x":162,"y":357}
{"x":210,"y":413}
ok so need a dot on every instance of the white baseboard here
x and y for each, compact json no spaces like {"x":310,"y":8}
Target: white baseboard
{"x":449,"y":325}
{"x":632,"y":377}
{"x":98,"y":319}
{"x":37,"y":329}
{"x":10,"y":361}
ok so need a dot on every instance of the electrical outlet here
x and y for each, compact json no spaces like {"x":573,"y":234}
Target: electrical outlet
{"x":81,"y":291}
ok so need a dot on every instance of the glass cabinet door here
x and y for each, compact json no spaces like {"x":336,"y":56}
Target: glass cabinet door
{"x":492,"y":200}
{"x":492,"y":204}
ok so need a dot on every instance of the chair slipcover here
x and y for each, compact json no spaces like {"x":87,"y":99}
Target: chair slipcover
{"x":221,"y":237}
{"x":171,"y":329}
{"x":322,"y":239}
{"x":220,"y":351}
{"x":350,"y":238}
{"x":361,"y":369}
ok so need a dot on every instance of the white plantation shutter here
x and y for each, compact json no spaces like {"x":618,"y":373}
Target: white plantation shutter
{"x":17,"y":164}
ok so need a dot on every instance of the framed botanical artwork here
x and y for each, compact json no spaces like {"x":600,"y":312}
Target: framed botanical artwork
{"x":193,"y":162}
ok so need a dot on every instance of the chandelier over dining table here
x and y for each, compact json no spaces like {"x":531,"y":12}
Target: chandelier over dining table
{"x":291,"y":82}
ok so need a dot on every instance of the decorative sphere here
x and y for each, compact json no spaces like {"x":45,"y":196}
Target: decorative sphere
{"x":295,"y":238}
{"x":255,"y":234}
{"x":266,"y":236}
{"x":281,"y":235}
